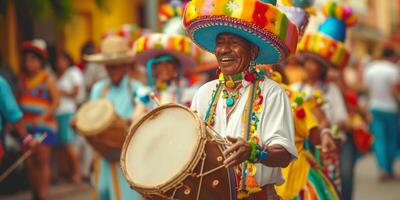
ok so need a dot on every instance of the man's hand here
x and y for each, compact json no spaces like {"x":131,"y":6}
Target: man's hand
{"x":237,"y":153}
{"x":33,"y":143}
{"x":327,"y":143}
{"x":29,"y":142}
{"x":73,"y":123}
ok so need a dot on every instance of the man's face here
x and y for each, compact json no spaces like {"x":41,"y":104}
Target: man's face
{"x":116,"y":72}
{"x":165,"y":71}
{"x":234,"y":53}
{"x":32,"y":63}
{"x":313,"y":70}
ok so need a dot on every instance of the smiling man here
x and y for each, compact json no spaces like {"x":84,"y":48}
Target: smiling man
{"x":243,"y":105}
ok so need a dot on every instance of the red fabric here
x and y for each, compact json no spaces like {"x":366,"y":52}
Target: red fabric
{"x":259,"y":17}
{"x":30,"y":46}
{"x":1,"y":151}
{"x":81,"y":66}
{"x":351,"y":98}
{"x":363,"y":140}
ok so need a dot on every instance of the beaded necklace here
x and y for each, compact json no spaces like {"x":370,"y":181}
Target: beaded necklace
{"x":161,"y":87}
{"x":231,"y":82}
{"x":248,"y":183}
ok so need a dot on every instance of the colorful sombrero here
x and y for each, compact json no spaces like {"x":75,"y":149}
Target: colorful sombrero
{"x":154,"y":45}
{"x":170,"y":10}
{"x":130,"y":32}
{"x":260,"y":22}
{"x":327,"y":45}
{"x":170,"y":17}
{"x":298,"y":11}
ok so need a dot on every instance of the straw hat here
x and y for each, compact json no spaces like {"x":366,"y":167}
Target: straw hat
{"x":114,"y":50}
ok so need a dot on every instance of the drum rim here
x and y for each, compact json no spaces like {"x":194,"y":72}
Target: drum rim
{"x":176,"y":178}
{"x":104,"y":126}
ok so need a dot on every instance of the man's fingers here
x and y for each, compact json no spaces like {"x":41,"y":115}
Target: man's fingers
{"x":232,"y":163}
{"x":231,"y":159}
{"x":232,"y":139}
{"x":232,"y":148}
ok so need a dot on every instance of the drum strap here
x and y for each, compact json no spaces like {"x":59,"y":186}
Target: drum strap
{"x":104,"y":92}
{"x":114,"y":175}
{"x":96,"y":176}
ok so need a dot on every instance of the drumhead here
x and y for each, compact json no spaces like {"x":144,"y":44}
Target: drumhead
{"x":94,"y":117}
{"x":161,"y":146}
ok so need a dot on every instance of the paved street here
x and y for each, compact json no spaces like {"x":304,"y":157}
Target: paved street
{"x":367,"y":186}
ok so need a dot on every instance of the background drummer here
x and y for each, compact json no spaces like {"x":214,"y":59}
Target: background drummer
{"x":120,"y":90}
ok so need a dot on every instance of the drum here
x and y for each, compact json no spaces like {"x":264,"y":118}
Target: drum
{"x":102,"y":128}
{"x":171,"y":154}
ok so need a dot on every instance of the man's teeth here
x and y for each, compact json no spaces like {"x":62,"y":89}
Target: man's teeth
{"x":227,"y":59}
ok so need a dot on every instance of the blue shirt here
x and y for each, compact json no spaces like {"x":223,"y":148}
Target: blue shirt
{"x":121,"y":96}
{"x":9,"y":110}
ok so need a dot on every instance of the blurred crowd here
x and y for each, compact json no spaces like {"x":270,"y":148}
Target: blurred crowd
{"x":44,"y":98}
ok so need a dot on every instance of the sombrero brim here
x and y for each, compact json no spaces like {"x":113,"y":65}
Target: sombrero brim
{"x":186,"y":61}
{"x":110,"y":58}
{"x":205,"y":30}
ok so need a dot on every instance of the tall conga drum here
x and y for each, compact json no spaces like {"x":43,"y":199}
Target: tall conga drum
{"x":98,"y":122}
{"x":171,"y":154}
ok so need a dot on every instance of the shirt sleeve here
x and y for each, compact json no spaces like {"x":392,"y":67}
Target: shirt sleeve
{"x":8,"y":106}
{"x":76,"y":77}
{"x":339,"y":110}
{"x":365,"y":75}
{"x":202,"y":99}
{"x":277,"y":121}
{"x":396,"y":77}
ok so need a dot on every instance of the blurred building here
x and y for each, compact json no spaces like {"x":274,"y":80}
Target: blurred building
{"x":89,"y":20}
{"x":86,"y":20}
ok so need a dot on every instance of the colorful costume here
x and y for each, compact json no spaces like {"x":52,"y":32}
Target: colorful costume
{"x":261,"y":111}
{"x":34,"y":100}
{"x":327,"y":48}
{"x":304,"y":178}
{"x":109,"y":180}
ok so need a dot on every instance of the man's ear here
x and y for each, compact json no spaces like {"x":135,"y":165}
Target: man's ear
{"x":254,"y":50}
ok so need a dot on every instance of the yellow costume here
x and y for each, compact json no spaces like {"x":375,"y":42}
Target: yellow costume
{"x":303,"y":177}
{"x":296,"y":173}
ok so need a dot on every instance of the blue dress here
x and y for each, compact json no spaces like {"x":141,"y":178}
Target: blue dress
{"x":110,"y":184}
